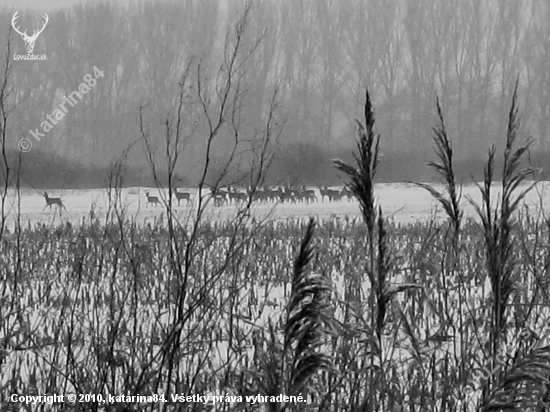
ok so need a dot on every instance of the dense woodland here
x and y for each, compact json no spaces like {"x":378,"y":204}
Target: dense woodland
{"x":304,"y":63}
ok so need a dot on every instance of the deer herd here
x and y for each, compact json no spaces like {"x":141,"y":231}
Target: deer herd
{"x":232,"y":196}
{"x":281,"y":194}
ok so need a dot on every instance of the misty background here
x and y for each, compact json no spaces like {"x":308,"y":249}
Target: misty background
{"x":313,"y":58}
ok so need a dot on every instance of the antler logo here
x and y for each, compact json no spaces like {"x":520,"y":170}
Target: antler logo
{"x":29,"y":40}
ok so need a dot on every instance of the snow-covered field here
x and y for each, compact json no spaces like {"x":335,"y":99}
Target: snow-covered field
{"x":262,"y":294}
{"x":402,"y":202}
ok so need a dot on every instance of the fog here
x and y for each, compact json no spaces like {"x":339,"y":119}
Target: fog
{"x":303,"y":64}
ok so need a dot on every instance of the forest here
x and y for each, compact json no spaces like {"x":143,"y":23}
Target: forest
{"x":304,"y":64}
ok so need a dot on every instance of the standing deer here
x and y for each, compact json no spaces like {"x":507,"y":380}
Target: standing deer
{"x":50,"y":201}
{"x":308,"y":195}
{"x":183,"y":196}
{"x":330,"y":194}
{"x":152,"y":199}
{"x":220,"y":197}
{"x":346,"y":192}
{"x":237,"y":197}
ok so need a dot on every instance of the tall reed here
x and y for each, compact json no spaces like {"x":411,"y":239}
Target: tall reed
{"x":361,"y":183}
{"x":450,"y":200}
{"x":380,"y":261}
{"x":511,"y":389}
{"x":288,"y":368}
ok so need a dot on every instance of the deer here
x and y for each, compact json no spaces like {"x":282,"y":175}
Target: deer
{"x":220,"y":197}
{"x":29,"y":40}
{"x":50,"y":201}
{"x":287,"y":195}
{"x":260,"y":195}
{"x":330,"y":194}
{"x":152,"y":199}
{"x":308,"y":195}
{"x":347,"y":193}
{"x":237,"y":197}
{"x":183,"y":196}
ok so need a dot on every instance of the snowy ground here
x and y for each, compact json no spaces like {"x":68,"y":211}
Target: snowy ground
{"x":402,"y":202}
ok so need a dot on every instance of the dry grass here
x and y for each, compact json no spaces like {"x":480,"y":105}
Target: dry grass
{"x":85,"y":314}
{"x":372,"y":316}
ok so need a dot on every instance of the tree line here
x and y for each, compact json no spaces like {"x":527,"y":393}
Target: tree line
{"x":315,"y":56}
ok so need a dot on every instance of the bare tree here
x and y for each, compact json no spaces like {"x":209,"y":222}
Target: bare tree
{"x":213,"y":106}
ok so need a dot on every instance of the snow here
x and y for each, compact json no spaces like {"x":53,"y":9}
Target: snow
{"x":401,"y":202}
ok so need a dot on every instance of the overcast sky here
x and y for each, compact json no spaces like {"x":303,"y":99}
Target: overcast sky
{"x":41,"y":4}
